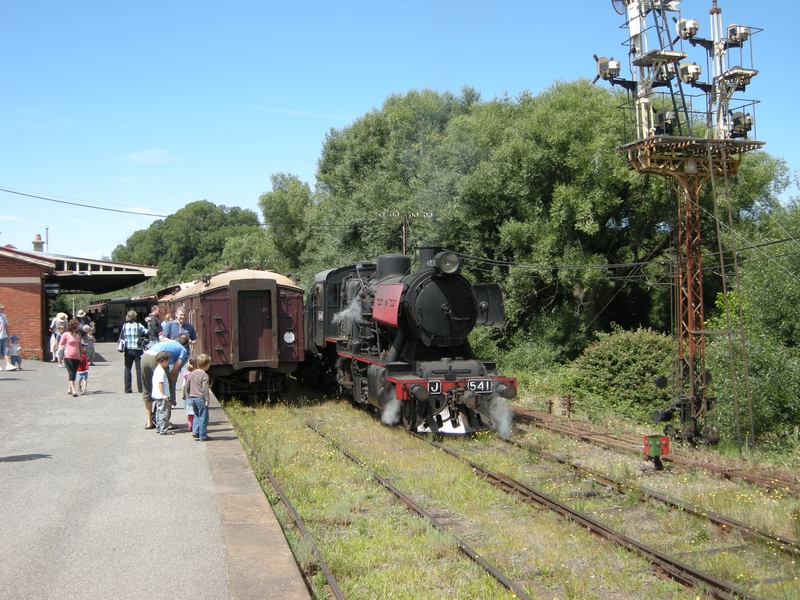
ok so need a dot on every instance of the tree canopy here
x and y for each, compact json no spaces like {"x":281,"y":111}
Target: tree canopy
{"x":189,"y":243}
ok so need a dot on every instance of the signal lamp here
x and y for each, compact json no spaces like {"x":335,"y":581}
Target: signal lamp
{"x":741,"y":124}
{"x":738,"y":33}
{"x":687,"y":28}
{"x":689,"y":72}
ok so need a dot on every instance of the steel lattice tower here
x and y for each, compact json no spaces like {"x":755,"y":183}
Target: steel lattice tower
{"x":688,"y":132}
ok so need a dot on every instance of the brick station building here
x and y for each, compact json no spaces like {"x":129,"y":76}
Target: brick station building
{"x":27,"y":279}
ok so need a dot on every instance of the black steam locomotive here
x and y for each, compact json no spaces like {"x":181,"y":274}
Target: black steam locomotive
{"x":398,"y":341}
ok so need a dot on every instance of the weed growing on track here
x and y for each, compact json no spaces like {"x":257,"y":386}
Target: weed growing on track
{"x":376,"y":548}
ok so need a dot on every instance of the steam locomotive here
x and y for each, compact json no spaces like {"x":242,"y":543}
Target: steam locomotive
{"x":397,"y":340}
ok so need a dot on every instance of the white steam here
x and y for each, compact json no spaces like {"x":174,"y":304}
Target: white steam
{"x":501,"y":414}
{"x":351,"y":313}
{"x":391,"y":413}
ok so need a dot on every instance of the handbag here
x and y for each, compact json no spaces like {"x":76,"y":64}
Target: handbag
{"x":121,"y":341}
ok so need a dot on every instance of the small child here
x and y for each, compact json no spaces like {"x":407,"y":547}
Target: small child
{"x":88,"y":343}
{"x":16,"y":360}
{"x":60,"y":351}
{"x":198,"y":394}
{"x":187,"y":405}
{"x":160,"y":393}
{"x":82,"y":379}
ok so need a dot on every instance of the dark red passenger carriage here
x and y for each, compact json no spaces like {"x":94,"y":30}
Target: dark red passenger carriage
{"x":251,"y":325}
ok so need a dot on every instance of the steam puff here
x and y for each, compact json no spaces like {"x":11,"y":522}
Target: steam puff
{"x":501,"y":414}
{"x":351,"y":313}
{"x":391,"y":414}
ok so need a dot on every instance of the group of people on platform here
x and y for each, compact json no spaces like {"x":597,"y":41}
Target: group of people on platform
{"x":160,"y":354}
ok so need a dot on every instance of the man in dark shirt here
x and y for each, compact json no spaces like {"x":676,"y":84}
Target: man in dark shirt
{"x":153,"y":325}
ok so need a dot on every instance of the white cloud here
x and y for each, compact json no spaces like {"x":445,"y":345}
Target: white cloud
{"x":154,"y":156}
{"x":12,"y":218}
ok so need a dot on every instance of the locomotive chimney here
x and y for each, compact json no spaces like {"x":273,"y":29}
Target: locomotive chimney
{"x":392,"y":265}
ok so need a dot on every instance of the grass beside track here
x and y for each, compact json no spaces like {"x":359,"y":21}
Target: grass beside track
{"x":376,"y":548}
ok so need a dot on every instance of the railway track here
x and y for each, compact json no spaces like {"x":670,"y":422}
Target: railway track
{"x":299,"y":524}
{"x":463,"y":546}
{"x":773,"y":540}
{"x":596,"y":434}
{"x":669,"y":566}
{"x":582,"y":495}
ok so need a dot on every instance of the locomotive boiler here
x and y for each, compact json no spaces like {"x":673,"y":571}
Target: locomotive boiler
{"x":397,"y":340}
{"x":251,"y":325}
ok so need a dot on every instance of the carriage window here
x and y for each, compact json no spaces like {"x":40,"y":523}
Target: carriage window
{"x":333,"y":295}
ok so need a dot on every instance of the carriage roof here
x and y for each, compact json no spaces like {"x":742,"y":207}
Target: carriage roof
{"x":221,"y":280}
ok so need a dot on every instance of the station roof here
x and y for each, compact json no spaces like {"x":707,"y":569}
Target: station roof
{"x":75,"y":275}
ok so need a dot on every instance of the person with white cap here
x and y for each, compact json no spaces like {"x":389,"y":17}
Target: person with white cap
{"x":5,"y":351}
{"x":83,"y":318}
{"x":60,"y":319}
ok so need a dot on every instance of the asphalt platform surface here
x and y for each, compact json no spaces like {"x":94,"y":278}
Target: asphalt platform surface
{"x":92,"y":505}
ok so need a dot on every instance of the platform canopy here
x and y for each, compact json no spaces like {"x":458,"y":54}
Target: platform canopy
{"x":82,"y":275}
{"x":74,"y":275}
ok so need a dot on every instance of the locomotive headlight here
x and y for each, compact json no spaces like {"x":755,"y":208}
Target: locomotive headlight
{"x":447,"y":262}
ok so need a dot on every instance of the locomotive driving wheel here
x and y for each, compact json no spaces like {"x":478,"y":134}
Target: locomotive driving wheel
{"x":409,"y":411}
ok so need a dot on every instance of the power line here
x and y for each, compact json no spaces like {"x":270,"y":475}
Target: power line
{"x":129,"y":212}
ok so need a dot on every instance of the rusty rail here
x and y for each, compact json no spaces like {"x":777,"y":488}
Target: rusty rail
{"x":599,"y":435}
{"x":423,"y":513}
{"x":334,"y":587}
{"x":679,"y":571}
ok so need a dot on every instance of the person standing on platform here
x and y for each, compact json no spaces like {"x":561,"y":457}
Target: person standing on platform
{"x":153,"y":326}
{"x":133,"y":332}
{"x":160,"y":387}
{"x":82,"y":378}
{"x":71,"y":344}
{"x":5,"y":335}
{"x":178,"y":353}
{"x":100,"y":326}
{"x":88,"y":342}
{"x":60,"y":319}
{"x":16,"y":359}
{"x":83,"y":319}
{"x":180,"y":327}
{"x":198,"y":394}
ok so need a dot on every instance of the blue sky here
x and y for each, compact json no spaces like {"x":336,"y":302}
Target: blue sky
{"x":147,"y":106}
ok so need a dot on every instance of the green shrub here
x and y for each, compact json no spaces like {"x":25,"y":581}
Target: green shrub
{"x":617,"y":374}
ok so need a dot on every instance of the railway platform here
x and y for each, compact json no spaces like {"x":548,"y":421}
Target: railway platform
{"x":92,"y":505}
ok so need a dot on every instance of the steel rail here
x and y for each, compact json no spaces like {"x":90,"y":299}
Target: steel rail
{"x":334,"y":587}
{"x":681,"y":572}
{"x":785,"y":544}
{"x":423,"y":513}
{"x":597,"y":435}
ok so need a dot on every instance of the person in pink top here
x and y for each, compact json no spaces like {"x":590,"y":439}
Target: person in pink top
{"x":71,"y":344}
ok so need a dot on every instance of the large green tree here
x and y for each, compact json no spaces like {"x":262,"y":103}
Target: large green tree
{"x":188,"y":243}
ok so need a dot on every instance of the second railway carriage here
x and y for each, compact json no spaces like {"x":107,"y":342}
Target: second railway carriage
{"x":251,"y":325}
